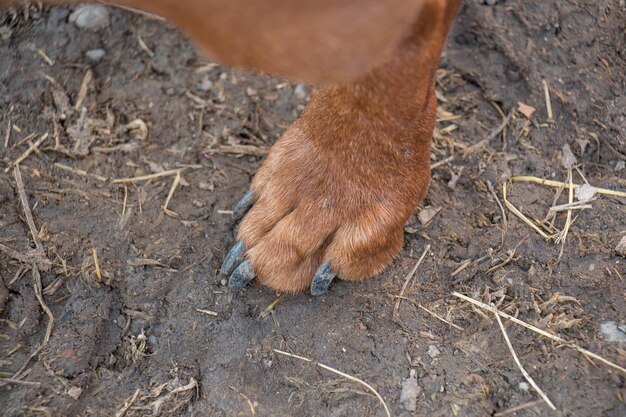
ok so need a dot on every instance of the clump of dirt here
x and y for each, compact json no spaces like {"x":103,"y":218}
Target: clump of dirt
{"x":133,"y":149}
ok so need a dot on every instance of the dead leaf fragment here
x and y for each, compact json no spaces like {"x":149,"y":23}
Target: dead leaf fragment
{"x":525,"y":109}
{"x":427,"y":214}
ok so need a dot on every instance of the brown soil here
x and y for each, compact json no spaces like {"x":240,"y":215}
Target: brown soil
{"x":131,"y":331}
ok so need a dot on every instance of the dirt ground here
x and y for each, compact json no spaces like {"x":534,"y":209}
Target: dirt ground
{"x":143,"y":323}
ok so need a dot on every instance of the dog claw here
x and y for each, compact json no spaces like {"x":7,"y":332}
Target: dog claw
{"x":233,"y":258}
{"x":242,"y":275}
{"x":243,"y":205}
{"x":322,"y":279}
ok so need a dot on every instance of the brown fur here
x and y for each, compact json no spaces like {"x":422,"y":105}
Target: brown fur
{"x":344,"y":178}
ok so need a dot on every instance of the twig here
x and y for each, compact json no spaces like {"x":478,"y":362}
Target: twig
{"x":18,"y":381}
{"x":441,"y":163}
{"x":44,"y":306}
{"x":437,"y":316}
{"x":517,"y":361}
{"x":29,"y":215}
{"x":127,"y":404}
{"x":82,"y":93}
{"x":27,"y":152}
{"x":521,"y":215}
{"x":245,"y":397}
{"x":242,"y":150}
{"x":475,"y":147}
{"x":408,"y":279}
{"x":576,"y":205}
{"x":28,"y":257}
{"x":134,"y":10}
{"x":517,"y":408}
{"x":337,"y":372}
{"x":542,"y":332}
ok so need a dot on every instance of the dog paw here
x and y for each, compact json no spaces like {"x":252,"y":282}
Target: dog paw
{"x":333,"y":195}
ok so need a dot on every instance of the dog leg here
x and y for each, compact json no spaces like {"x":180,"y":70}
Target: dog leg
{"x":335,"y":191}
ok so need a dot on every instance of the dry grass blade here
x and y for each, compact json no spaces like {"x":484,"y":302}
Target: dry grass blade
{"x":82,"y":93}
{"x":479,"y":145}
{"x":31,"y":256}
{"x":546,"y":91}
{"x":568,"y":221}
{"x":517,"y":408}
{"x":134,"y":10}
{"x":80,"y":172}
{"x":542,"y":332}
{"x":146,"y":177}
{"x":7,"y":135}
{"x":408,"y":280}
{"x":29,"y":215}
{"x":96,"y":263}
{"x":242,"y":150}
{"x":169,"y":197}
{"x":441,"y":163}
{"x":127,"y":404}
{"x":521,"y":215}
{"x":576,"y":205}
{"x":27,"y":152}
{"x":438,"y":317}
{"x":245,"y":397}
{"x":38,"y":293}
{"x":207,"y":312}
{"x":559,"y":184}
{"x":343,"y":374}
{"x":517,"y":361}
{"x":18,"y":382}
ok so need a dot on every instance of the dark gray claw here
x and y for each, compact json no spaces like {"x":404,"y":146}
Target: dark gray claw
{"x":234,"y":258}
{"x":322,"y":279}
{"x":243,"y":205}
{"x":242,"y":275}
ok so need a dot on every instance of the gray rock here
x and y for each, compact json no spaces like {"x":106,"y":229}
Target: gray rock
{"x":300,"y":92}
{"x":433,"y":352}
{"x":95,"y":55}
{"x":410,"y":392}
{"x":91,"y":17}
{"x":612,"y":332}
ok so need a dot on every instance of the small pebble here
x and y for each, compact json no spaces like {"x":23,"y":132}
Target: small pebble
{"x":433,"y":352}
{"x":74,"y":392}
{"x":224,"y":282}
{"x":205,"y":84}
{"x":410,"y":392}
{"x":585,"y":192}
{"x":612,"y":332}
{"x":300,"y":92}
{"x":621,"y":247}
{"x":95,"y":55}
{"x":523,"y":386}
{"x":91,"y":17}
